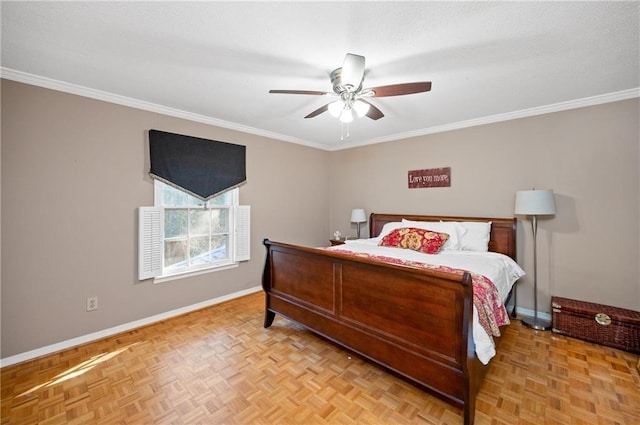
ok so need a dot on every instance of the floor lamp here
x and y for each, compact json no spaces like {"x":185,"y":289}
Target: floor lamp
{"x":535,"y":203}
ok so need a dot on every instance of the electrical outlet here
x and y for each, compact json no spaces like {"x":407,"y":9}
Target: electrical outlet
{"x":92,"y":303}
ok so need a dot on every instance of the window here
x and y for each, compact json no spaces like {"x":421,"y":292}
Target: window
{"x":182,"y":234}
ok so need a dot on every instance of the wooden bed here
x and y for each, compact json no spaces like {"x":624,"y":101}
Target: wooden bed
{"x":415,"y":322}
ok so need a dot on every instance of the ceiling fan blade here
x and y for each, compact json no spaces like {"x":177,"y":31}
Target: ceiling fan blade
{"x":374,"y":113}
{"x":400,"y":89}
{"x":312,"y":92}
{"x":318,"y":111}
{"x":352,"y":71}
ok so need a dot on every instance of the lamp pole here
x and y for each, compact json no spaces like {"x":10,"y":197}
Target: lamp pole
{"x":535,"y":323}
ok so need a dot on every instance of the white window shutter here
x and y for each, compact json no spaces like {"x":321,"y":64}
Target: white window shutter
{"x":150,"y":240}
{"x":242,"y":233}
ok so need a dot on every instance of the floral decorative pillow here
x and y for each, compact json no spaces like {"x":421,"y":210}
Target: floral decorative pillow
{"x":422,"y":240}
{"x":452,"y":228}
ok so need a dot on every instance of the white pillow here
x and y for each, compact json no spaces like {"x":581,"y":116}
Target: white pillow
{"x":476,"y":237}
{"x":388,"y":228}
{"x":454,"y":229}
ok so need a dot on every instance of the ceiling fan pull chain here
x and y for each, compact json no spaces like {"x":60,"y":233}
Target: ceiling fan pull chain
{"x":342,"y":125}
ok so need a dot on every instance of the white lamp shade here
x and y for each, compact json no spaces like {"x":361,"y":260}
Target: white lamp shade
{"x":361,"y":108}
{"x":358,"y":215}
{"x":346,"y":116}
{"x":535,"y":202}
{"x":335,"y":108}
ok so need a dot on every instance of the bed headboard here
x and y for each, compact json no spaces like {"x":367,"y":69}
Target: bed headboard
{"x":503,"y":230}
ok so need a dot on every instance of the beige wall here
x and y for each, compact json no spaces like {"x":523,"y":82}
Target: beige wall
{"x":74,"y":172}
{"x":588,"y":156}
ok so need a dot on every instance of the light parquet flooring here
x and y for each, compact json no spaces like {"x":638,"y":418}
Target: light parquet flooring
{"x":219,"y":366}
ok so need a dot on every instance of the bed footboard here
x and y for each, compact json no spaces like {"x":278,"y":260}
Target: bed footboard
{"x":413,"y":321}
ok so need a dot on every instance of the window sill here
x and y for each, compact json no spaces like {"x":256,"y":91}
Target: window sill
{"x":191,"y":273}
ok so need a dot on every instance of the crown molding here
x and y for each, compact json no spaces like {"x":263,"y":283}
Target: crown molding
{"x":49,"y":83}
{"x":523,"y":113}
{"x":36,"y":80}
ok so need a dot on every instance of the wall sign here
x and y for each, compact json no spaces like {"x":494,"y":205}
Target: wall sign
{"x":432,"y":177}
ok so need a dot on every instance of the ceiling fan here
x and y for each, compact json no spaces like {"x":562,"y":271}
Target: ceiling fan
{"x":347,"y":87}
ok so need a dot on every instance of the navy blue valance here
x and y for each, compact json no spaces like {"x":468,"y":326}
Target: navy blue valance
{"x":204,"y":168}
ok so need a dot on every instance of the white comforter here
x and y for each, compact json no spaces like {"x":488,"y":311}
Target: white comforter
{"x":498,"y":268}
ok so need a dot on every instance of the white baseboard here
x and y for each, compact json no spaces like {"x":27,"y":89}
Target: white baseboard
{"x":529,"y":313}
{"x":63,"y":345}
{"x":49,"y":349}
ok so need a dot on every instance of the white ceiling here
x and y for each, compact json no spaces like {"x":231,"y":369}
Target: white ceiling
{"x":216,"y":61}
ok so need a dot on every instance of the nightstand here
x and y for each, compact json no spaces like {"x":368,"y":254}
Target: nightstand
{"x":335,"y":242}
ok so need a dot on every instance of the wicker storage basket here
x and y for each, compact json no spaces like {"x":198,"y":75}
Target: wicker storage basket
{"x":611,"y":326}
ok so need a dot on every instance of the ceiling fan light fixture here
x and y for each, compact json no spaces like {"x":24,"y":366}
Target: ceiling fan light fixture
{"x":346,"y":116}
{"x":335,"y":108}
{"x":361,"y":108}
